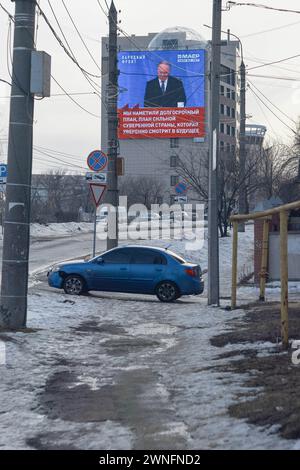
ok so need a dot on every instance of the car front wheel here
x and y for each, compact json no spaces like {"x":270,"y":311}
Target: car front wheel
{"x":167,"y":291}
{"x":74,"y":285}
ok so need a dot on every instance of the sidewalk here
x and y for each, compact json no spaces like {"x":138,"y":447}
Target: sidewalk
{"x":123,"y":372}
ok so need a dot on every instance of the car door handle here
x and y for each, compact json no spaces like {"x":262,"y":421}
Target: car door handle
{"x":123,"y":269}
{"x":158,"y":269}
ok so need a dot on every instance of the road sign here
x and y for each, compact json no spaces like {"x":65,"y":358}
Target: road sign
{"x":181,"y":188}
{"x":97,"y":191}
{"x":97,"y":160}
{"x":97,"y":177}
{"x":3,"y":173}
{"x":182,"y":199}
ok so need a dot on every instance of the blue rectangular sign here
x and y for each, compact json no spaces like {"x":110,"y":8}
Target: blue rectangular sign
{"x":3,"y":172}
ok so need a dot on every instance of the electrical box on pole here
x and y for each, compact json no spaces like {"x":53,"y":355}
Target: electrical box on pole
{"x":40,"y":78}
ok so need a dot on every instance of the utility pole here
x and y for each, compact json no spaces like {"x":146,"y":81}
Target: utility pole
{"x":242,"y":145}
{"x":14,"y":284}
{"x":213,"y":234}
{"x":112,"y":115}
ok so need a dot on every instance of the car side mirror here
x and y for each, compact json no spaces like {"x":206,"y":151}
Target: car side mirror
{"x":100,"y":261}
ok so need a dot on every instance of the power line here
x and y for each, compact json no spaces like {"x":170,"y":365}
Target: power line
{"x":275,"y":77}
{"x":59,"y":159}
{"x":278,"y":109}
{"x":58,"y":84}
{"x":74,"y":101}
{"x":60,"y":42}
{"x":262,"y":101}
{"x":259,"y":5}
{"x":71,"y":54}
{"x":5,"y":81}
{"x":79,"y":34}
{"x":6,"y":11}
{"x":105,"y":13}
{"x":274,"y":62}
{"x":269,"y":30}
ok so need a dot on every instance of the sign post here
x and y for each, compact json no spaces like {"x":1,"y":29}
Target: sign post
{"x":96,"y":161}
{"x":97,"y":191}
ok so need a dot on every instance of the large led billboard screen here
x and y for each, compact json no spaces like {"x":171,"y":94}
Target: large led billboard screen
{"x":161,"y":94}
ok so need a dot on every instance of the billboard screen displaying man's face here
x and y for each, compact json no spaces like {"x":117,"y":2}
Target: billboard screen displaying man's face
{"x":161,"y":94}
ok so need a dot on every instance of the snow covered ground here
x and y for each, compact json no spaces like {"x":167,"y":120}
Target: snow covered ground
{"x":122,"y":371}
{"x":58,"y":230}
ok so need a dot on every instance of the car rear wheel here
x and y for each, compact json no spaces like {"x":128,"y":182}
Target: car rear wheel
{"x":74,"y":285}
{"x":167,"y":291}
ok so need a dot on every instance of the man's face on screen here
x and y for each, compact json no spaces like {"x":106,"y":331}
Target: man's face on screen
{"x":163,"y":72}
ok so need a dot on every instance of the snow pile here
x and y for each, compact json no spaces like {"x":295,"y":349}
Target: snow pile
{"x":58,"y":230}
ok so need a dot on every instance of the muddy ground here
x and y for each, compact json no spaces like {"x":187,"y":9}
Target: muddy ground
{"x":277,"y":402}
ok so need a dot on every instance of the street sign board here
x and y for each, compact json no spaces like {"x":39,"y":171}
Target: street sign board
{"x":97,"y":177}
{"x":3,"y":173}
{"x":97,"y":191}
{"x":181,"y":188}
{"x":182,"y":199}
{"x":97,"y":160}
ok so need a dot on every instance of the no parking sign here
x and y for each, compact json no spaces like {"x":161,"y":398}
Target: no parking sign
{"x":97,"y":160}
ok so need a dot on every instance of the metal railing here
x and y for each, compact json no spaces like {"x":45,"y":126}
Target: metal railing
{"x":266,"y":216}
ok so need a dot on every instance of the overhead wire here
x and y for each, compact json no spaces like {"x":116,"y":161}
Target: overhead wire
{"x":262,"y":101}
{"x":80,"y":36}
{"x":259,"y":5}
{"x":274,"y":62}
{"x":71,"y":54}
{"x":69,"y":95}
{"x":257,"y":33}
{"x":274,"y":105}
{"x":60,"y":42}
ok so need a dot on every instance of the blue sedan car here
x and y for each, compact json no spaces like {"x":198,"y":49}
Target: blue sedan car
{"x":136,"y":269}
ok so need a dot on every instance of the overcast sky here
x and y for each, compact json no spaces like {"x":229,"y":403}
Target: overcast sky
{"x":62,"y":126}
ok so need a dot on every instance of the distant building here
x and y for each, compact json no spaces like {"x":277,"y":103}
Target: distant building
{"x":158,"y":157}
{"x":255,"y":135}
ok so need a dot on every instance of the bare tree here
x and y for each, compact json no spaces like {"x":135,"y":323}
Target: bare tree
{"x":193,"y":167}
{"x":145,"y":190}
{"x":57,"y":197}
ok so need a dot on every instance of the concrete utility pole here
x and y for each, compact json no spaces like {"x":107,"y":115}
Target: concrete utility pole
{"x":112,"y":115}
{"x":213,"y":234}
{"x":14,"y":285}
{"x":242,"y":144}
